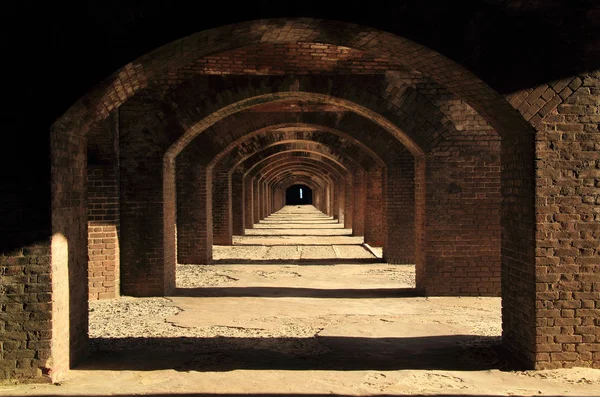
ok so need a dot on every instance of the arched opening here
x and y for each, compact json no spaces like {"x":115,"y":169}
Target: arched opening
{"x":298,"y":195}
{"x":194,"y":117}
{"x":447,"y":177}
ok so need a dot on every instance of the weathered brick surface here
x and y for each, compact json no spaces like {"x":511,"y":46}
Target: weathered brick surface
{"x":463,"y":197}
{"x":68,"y":250}
{"x":221,"y":207}
{"x":25,"y":315}
{"x":359,"y":200}
{"x":567,"y":272}
{"x":144,"y":270}
{"x":348,"y":201}
{"x":103,"y":209}
{"x":194,"y":211}
{"x":103,"y":230}
{"x":255,"y":199}
{"x":238,"y":208}
{"x":248,"y":203}
{"x":375,"y":222}
{"x":399,"y":201}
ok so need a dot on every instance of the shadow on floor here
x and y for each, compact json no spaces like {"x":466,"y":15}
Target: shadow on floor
{"x":293,"y":292}
{"x":314,"y":262}
{"x":448,"y":352}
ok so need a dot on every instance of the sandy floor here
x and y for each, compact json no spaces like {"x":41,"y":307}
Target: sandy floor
{"x":282,"y":330}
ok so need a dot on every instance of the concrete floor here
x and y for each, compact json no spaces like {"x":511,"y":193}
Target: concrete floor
{"x":264,"y":329}
{"x":296,"y":234}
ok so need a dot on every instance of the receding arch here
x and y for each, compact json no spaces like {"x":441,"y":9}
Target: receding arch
{"x":192,"y":131}
{"x":518,"y":176}
{"x":297,"y":127}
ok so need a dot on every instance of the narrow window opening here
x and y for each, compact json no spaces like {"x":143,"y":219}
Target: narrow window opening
{"x":300,"y":193}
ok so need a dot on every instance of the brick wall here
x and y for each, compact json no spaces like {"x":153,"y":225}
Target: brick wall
{"x":144,"y":191}
{"x":103,"y":209}
{"x":248,"y":203}
{"x":374,"y":222}
{"x":194,"y":211}
{"x":237,"y":203}
{"x":103,"y":229}
{"x":462,"y":246}
{"x":255,"y":200}
{"x":348,"y":202}
{"x":399,"y":201}
{"x":26,"y":332}
{"x":358,"y":207}
{"x":222,"y":207}
{"x":567,"y":272}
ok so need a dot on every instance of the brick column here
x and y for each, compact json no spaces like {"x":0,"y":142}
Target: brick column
{"x":329,"y":200}
{"x":399,"y":243}
{"x":143,"y":268}
{"x":194,"y":211}
{"x":237,"y":203}
{"x":335,"y":194}
{"x":348,"y":202}
{"x":270,"y":202}
{"x":462,"y":233}
{"x":561,"y":326}
{"x":341,"y":190}
{"x":358,"y":216}
{"x":248,"y":204}
{"x":222,"y":207}
{"x":265,"y":200}
{"x":374,"y":222}
{"x":255,"y":200}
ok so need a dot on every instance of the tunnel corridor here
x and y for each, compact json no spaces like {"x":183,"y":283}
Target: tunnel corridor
{"x":398,"y":160}
{"x":297,"y":234}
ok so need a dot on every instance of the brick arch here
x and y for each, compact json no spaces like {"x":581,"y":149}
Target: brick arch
{"x":193,"y":125}
{"x":293,"y":155}
{"x":288,"y":131}
{"x":273,"y":177}
{"x":342,"y":193}
{"x":346,"y":162}
{"x":309,"y":172}
{"x":195,"y":227}
{"x":253,"y":165}
{"x":127,"y":81}
{"x":269,"y":171}
{"x":335,"y":147}
{"x":292,"y":180}
{"x":281,"y":157}
{"x":194,"y":105}
{"x":286,"y":158}
{"x":517,"y":139}
{"x":327,"y":162}
{"x":223,"y":220}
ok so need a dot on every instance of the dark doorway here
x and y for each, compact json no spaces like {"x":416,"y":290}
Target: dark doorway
{"x":298,"y":195}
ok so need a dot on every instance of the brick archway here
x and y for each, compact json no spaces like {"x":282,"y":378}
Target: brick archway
{"x":520,"y":275}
